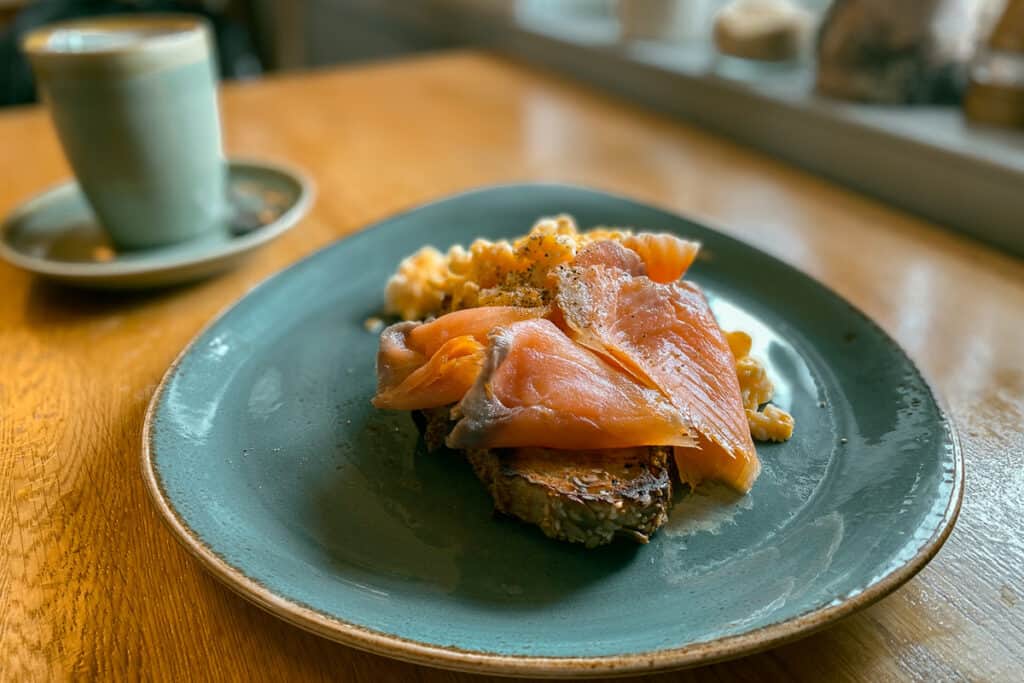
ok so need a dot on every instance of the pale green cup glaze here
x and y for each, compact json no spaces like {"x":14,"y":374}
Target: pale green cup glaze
{"x":134,"y":103}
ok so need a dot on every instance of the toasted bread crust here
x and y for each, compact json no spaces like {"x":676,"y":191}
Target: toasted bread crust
{"x":591,"y":498}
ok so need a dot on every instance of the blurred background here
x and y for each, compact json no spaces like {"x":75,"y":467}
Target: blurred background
{"x":869,"y":50}
{"x":932,"y":90}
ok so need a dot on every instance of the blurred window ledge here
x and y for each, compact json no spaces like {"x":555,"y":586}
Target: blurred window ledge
{"x":925,"y":159}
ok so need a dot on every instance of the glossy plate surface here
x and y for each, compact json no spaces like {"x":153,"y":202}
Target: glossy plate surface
{"x":264,"y":455}
{"x":55,"y":234}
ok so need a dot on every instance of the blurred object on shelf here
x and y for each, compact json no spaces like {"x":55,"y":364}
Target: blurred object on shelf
{"x":648,"y":20}
{"x":764,"y":30}
{"x":995,"y":94}
{"x":1008,"y":33}
{"x":664,"y":20}
{"x":900,"y":52}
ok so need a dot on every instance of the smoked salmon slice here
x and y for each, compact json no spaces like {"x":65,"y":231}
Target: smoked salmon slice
{"x":539,"y":388}
{"x":666,"y":337}
{"x":426,"y":365}
{"x":609,"y":253}
{"x":442,"y":380}
{"x":666,"y":257}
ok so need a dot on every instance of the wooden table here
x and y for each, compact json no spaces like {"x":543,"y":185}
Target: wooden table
{"x":92,"y":585}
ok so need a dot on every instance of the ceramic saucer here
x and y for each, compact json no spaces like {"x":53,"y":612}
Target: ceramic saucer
{"x":55,"y":234}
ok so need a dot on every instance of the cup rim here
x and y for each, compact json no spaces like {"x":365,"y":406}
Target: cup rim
{"x":182,"y":27}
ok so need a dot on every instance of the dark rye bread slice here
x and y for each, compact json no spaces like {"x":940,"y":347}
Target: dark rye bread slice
{"x":591,"y":498}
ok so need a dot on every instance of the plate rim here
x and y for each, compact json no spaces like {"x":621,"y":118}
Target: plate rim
{"x":473,"y":661}
{"x":86,"y":272}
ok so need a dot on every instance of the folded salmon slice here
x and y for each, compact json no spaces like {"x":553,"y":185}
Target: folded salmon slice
{"x":666,"y":257}
{"x":666,"y":337}
{"x":426,"y":365}
{"x":539,"y":388}
{"x":442,"y":380}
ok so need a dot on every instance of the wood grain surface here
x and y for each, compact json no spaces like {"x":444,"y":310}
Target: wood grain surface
{"x":93,"y":586}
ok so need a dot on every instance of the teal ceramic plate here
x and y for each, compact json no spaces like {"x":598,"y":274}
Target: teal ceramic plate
{"x":264,"y":455}
{"x":55,"y":234}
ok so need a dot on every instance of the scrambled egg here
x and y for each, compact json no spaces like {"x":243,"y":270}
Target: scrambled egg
{"x":770,"y":423}
{"x":501,"y":273}
{"x":518,"y":273}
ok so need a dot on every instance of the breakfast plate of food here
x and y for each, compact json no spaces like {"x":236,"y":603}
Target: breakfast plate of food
{"x":544,"y":430}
